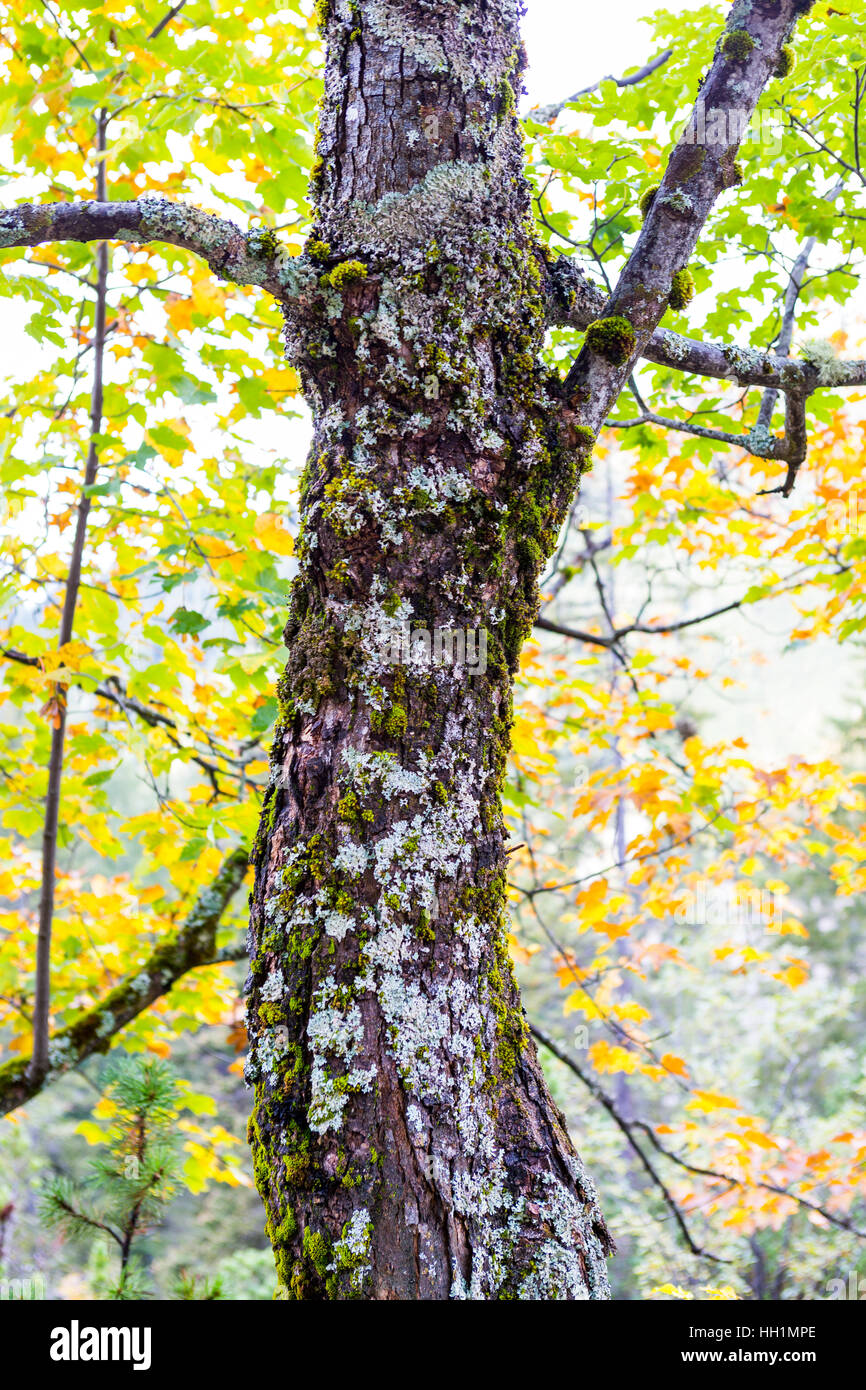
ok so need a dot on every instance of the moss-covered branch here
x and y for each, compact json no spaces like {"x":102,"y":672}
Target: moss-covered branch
{"x":575,"y":301}
{"x":246,"y":258}
{"x":194,"y":945}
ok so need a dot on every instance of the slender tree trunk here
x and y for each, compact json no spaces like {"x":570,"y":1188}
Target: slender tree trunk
{"x":404,"y":1141}
{"x":42,"y":990}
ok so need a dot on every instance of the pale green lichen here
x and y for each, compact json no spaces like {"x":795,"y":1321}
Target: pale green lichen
{"x":256,"y":258}
{"x":822,"y":355}
{"x":447,"y":198}
{"x":678,"y":201}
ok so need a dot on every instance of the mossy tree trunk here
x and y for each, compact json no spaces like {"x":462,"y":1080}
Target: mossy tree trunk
{"x":404,"y":1141}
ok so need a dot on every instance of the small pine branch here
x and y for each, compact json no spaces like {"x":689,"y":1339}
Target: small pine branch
{"x":62,"y":1207}
{"x":131,"y":1286}
{"x":134,"y":1178}
{"x":190,"y":1286}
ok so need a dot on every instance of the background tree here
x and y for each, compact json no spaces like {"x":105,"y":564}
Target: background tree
{"x":132,"y":1183}
{"x":443,"y":463}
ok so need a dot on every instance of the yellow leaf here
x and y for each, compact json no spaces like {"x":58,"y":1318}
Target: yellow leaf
{"x":272,"y":534}
{"x":607,"y":1057}
{"x":708,"y":1101}
{"x":179,"y":311}
{"x":756,"y":1137}
{"x":91,"y":1132}
{"x":674,"y":1064}
{"x":794,"y":975}
{"x":208,"y":298}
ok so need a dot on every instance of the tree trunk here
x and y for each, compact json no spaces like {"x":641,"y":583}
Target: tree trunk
{"x":404,"y":1141}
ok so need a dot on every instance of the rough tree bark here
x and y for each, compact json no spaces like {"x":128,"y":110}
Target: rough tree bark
{"x":404,"y":1141}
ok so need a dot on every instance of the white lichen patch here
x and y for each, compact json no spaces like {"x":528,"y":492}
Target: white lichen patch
{"x":270,"y":1047}
{"x":444,"y":204}
{"x":351,"y":859}
{"x":61,"y":1054}
{"x":335,"y":1031}
{"x":353,"y":1248}
{"x":274,"y":986}
{"x":822,"y":355}
{"x":559,"y":1271}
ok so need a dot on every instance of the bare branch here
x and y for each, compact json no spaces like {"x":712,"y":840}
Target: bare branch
{"x":547,"y":114}
{"x":591,"y":638}
{"x":764,"y":446}
{"x":786,"y":332}
{"x":628,"y":1128}
{"x":576,"y":302}
{"x":42,"y":992}
{"x":759,"y":441}
{"x":166,"y":19}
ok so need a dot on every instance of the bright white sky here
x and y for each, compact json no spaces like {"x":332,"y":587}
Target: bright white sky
{"x":572,"y":43}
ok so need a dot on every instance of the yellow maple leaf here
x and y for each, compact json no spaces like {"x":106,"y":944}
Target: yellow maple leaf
{"x":272,"y":534}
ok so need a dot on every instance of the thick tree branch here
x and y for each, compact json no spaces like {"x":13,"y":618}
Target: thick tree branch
{"x":92,"y":1031}
{"x":701,"y":166}
{"x":576,"y":302}
{"x":245,"y":258}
